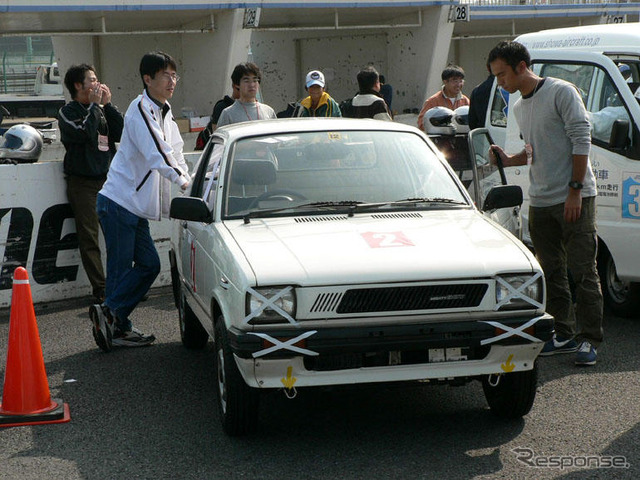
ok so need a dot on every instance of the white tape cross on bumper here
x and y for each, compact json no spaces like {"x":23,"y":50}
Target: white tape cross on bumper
{"x":288,"y":345}
{"x":510,"y":332}
{"x":271,"y":303}
{"x":517,"y":292}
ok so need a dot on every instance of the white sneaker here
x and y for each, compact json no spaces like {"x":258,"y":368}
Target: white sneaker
{"x":132,"y":338}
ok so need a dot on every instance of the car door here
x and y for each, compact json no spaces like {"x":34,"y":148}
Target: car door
{"x":486,"y":175}
{"x":195,"y":239}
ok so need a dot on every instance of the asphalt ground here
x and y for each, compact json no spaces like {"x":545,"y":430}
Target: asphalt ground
{"x":149,"y":413}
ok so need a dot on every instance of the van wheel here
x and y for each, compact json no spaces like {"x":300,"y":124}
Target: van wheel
{"x":514,"y":394}
{"x":237,"y":402}
{"x":622,"y":298}
{"x":192,"y":333}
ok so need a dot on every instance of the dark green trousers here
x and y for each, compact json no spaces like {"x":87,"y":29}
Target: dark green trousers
{"x":82,"y":193}
{"x":560,"y":246}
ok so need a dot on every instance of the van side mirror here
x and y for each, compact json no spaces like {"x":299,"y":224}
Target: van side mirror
{"x":619,"y":138}
{"x":503,"y":196}
{"x":192,"y":209}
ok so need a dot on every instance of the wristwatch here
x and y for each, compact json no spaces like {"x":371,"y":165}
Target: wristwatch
{"x":575,"y":184}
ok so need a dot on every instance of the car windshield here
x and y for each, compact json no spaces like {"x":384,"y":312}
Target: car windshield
{"x":337,"y":171}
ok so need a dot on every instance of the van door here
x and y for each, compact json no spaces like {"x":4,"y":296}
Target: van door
{"x":615,"y":158}
{"x":497,"y":114}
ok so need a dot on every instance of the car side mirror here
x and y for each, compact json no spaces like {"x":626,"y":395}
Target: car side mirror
{"x":192,"y":209}
{"x":619,"y":134}
{"x":503,"y":196}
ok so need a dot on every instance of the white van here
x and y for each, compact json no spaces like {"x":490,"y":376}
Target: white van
{"x":603,"y":61}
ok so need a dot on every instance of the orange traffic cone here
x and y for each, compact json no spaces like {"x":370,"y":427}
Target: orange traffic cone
{"x":26,"y":399}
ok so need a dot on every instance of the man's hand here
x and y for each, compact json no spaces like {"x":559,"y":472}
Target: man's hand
{"x":95,"y":94}
{"x":572,"y":206}
{"x":106,"y":94}
{"x":185,"y":186}
{"x":496,"y":150}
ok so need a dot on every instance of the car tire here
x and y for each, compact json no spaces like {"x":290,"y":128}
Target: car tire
{"x":175,"y":278}
{"x":237,"y":402}
{"x":192,"y":333}
{"x":514,"y":394}
{"x":622,"y":298}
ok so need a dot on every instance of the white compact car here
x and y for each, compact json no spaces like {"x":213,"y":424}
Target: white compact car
{"x":335,"y":251}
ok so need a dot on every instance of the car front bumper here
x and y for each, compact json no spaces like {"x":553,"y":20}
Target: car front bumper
{"x":427,"y":351}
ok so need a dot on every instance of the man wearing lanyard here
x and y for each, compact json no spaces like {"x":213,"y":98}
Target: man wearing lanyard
{"x":246,"y":77}
{"x":90,"y":125}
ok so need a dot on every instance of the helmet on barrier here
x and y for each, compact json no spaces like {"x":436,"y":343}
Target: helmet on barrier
{"x":461,"y":119}
{"x":438,"y":121}
{"x":22,"y":143}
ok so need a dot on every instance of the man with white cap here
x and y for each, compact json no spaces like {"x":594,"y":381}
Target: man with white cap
{"x":319,"y":103}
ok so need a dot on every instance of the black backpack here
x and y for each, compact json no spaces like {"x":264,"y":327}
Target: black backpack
{"x":346,"y":108}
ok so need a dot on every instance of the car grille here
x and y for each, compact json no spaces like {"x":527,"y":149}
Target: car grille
{"x":423,"y":297}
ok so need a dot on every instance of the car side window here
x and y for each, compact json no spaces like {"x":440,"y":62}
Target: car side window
{"x":608,"y":107}
{"x":599,"y":93}
{"x":208,"y":177}
{"x":499,"y":108}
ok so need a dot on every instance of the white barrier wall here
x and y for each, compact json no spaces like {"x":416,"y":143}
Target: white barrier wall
{"x":38,"y":232}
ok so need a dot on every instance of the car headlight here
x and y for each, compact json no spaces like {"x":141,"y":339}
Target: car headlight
{"x":524,"y":291}
{"x":271,"y":305}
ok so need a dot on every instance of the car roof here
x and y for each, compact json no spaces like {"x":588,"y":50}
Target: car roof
{"x":294,"y":125}
{"x":605,"y":37}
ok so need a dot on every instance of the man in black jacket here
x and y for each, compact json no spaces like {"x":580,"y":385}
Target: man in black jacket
{"x":368,"y":103}
{"x":89,"y":126}
{"x":479,"y":103}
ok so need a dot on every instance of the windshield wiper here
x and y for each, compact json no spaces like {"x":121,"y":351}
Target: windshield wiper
{"x":339,"y":203}
{"x":353,"y":206}
{"x":450,"y":201}
{"x":320,"y":205}
{"x":408,"y":201}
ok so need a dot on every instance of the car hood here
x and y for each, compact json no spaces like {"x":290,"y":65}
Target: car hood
{"x":418,"y":246}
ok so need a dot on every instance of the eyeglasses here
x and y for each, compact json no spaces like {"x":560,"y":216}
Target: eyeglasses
{"x":171,"y":77}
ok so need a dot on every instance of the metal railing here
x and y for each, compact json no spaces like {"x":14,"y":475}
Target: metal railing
{"x":18,"y":72}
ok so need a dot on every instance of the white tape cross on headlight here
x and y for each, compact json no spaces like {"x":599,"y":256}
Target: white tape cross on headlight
{"x":510,"y":332}
{"x":271,"y":303}
{"x":288,"y":345}
{"x":517,"y":292}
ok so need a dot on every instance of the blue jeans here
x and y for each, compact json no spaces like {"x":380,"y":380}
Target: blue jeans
{"x":132,"y":259}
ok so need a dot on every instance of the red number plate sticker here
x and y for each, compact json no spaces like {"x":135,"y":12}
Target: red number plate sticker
{"x":387,"y":239}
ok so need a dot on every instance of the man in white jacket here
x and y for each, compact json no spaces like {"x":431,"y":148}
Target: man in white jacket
{"x":138,"y":189}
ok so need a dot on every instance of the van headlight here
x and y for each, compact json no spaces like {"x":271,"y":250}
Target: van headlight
{"x":524,"y":291}
{"x":271,"y":305}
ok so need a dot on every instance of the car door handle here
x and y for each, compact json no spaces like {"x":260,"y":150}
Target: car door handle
{"x":224,"y":283}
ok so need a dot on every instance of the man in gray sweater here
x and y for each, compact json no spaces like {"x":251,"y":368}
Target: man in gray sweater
{"x":246,"y":77}
{"x":556,"y":130}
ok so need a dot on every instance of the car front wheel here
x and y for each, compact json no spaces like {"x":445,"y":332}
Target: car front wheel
{"x":237,"y":402}
{"x":511,"y":395}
